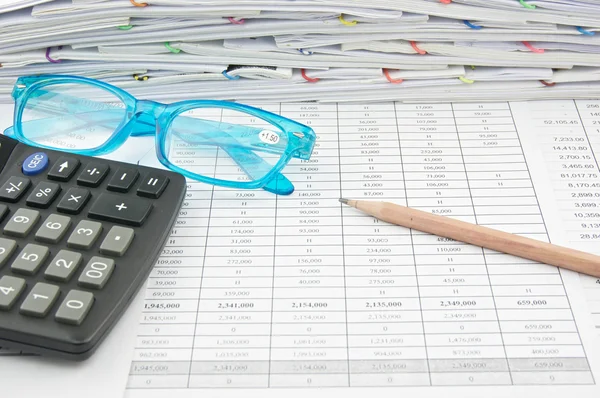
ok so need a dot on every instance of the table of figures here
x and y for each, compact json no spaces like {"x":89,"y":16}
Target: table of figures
{"x":263,"y":291}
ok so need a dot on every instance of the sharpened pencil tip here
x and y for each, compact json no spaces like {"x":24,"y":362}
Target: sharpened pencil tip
{"x":344,"y":201}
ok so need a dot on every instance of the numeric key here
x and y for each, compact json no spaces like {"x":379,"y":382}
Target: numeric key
{"x":53,"y":229}
{"x":75,"y":307}
{"x":7,"y":247}
{"x":30,"y":259}
{"x":39,"y":300}
{"x":10,"y":290}
{"x":84,"y":235}
{"x":22,"y":222}
{"x":96,"y":272}
{"x":63,"y":265}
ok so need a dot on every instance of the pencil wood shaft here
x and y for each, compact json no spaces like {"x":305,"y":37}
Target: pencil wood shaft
{"x":489,"y":238}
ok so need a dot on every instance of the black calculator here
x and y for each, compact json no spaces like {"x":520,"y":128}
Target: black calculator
{"x":78,"y":237}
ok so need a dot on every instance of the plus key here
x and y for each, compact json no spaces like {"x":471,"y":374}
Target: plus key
{"x":119,"y":209}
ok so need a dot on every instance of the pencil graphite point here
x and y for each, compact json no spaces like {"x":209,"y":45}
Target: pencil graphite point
{"x":344,"y":201}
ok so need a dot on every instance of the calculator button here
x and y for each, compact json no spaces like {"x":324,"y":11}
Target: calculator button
{"x":117,"y":241}
{"x":39,"y":300}
{"x":84,"y":235}
{"x":21,"y":222}
{"x":63,"y":265}
{"x":30,"y":259}
{"x":14,"y":188}
{"x":63,"y":169}
{"x":43,"y":194}
{"x":35,"y":164}
{"x":93,"y":174}
{"x":152,"y":186}
{"x":123,"y":180}
{"x":53,"y":229}
{"x":123,"y":210}
{"x":7,"y":247}
{"x":73,"y":201}
{"x":10,"y":290}
{"x":74,"y":307}
{"x":3,"y":211}
{"x":96,"y":272}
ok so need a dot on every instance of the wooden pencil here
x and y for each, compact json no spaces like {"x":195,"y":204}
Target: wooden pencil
{"x":477,"y":235}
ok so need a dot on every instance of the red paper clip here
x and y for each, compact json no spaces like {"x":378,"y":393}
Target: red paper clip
{"x":417,"y":49}
{"x":309,"y":79}
{"x":390,"y":79}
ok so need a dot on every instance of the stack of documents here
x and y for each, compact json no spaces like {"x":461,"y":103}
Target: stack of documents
{"x":311,"y":50}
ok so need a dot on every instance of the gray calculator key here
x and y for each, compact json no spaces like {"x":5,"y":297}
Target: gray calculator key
{"x":117,"y":241}
{"x":21,"y":222}
{"x":7,"y":247}
{"x":39,"y":300}
{"x":30,"y":259}
{"x":96,"y":272}
{"x":63,"y":265}
{"x":85,"y":234}
{"x":53,"y":229}
{"x":10,"y":290}
{"x":74,"y":307}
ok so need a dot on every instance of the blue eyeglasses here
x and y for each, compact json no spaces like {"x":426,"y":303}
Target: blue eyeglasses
{"x":215,"y":142}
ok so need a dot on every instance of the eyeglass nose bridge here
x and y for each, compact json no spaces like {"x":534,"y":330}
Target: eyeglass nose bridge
{"x":144,"y":118}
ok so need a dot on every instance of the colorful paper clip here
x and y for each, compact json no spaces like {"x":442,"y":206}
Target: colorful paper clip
{"x":308,"y":79}
{"x":54,"y":61}
{"x":417,"y":49}
{"x":305,"y":52}
{"x":235,"y":21}
{"x":125,"y":27}
{"x":465,"y":80}
{"x":445,"y":1}
{"x":135,"y":3}
{"x":142,"y":78}
{"x":230,"y":77}
{"x":528,"y":6}
{"x":173,"y":50}
{"x":532,"y":48}
{"x":585,"y":31}
{"x":472,"y":26}
{"x":386,"y":73}
{"x":347,"y":23}
{"x":545,"y":83}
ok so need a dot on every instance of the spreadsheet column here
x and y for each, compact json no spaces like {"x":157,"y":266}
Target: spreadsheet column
{"x":309,"y":339}
{"x":385,"y":331}
{"x":497,"y":169}
{"x":455,"y":288}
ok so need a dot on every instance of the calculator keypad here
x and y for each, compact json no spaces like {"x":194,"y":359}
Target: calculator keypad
{"x":77,"y":237}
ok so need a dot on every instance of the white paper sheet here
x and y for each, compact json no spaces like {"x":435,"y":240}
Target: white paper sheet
{"x":256,"y":293}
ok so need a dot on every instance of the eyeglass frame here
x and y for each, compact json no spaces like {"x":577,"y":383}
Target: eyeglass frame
{"x":300,"y":138}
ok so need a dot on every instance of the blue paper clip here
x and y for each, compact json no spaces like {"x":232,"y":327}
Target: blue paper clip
{"x":472,"y":26}
{"x":230,"y":77}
